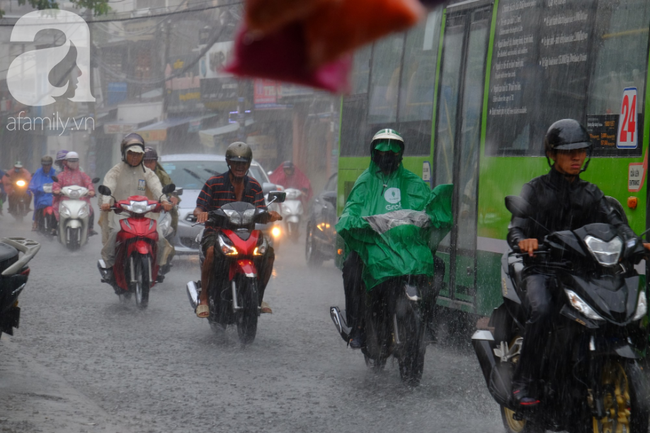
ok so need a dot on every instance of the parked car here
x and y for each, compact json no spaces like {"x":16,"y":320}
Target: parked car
{"x":190,"y":172}
{"x":320,"y":237}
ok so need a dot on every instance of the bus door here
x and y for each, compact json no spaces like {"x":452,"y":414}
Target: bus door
{"x":457,"y":142}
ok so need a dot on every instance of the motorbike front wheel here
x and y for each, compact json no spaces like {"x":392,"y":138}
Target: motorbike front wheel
{"x":141,"y":286}
{"x":312,"y":255}
{"x":73,"y":238}
{"x":246,"y":318}
{"x":411,"y":334}
{"x":626,"y":399}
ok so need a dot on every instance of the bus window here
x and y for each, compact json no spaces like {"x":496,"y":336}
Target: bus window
{"x":384,"y":81}
{"x":620,"y":61}
{"x":417,"y":85}
{"x":355,"y":107}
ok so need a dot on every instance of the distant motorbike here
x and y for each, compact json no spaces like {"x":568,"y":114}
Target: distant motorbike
{"x":45,"y":218}
{"x":291,"y":211}
{"x":19,"y":200}
{"x":235,"y":298}
{"x":591,"y":379}
{"x":13,"y":278}
{"x":136,"y":261}
{"x":74,"y":214}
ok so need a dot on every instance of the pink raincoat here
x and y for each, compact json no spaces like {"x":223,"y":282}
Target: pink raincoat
{"x":298,"y":181}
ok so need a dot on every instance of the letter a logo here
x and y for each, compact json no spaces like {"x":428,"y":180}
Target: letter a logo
{"x":27,"y":76}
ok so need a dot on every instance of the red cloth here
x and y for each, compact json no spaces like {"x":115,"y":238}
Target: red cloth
{"x":298,"y":181}
{"x":71,"y":177}
{"x":11,"y":176}
{"x":282,"y":56}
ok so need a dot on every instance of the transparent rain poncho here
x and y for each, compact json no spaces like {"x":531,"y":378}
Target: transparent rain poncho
{"x":395,"y":223}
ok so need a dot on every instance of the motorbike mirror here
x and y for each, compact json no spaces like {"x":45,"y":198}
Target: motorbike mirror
{"x":518,"y":206}
{"x":330,"y":197}
{"x":278,"y":196}
{"x":104,"y":190}
{"x":179,"y":191}
{"x":268,"y":187}
{"x":169,"y":188}
{"x":95,"y":180}
{"x":55,"y":179}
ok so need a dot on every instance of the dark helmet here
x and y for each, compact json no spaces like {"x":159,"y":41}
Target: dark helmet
{"x":239,"y":152}
{"x":150,"y":154}
{"x":288,"y":165}
{"x":387,"y":140}
{"x":46,"y":160}
{"x":133,"y":142}
{"x":60,"y":155}
{"x":566,"y":134}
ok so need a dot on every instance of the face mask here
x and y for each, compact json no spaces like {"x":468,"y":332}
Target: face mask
{"x":388,"y":163}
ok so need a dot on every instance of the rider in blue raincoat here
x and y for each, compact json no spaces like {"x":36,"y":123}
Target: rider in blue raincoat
{"x":42,"y":199}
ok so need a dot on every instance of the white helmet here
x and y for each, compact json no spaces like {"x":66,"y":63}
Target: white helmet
{"x":71,"y":155}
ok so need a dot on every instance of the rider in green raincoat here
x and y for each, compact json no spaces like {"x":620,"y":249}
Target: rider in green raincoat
{"x":401,"y":242}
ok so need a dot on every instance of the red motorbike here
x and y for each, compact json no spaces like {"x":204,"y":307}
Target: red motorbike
{"x":136,"y":263}
{"x":235,"y":299}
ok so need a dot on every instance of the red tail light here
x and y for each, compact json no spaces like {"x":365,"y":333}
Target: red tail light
{"x":25,"y":272}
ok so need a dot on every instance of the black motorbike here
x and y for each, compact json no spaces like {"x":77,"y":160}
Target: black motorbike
{"x":396,"y":313}
{"x":13,"y":278}
{"x":590,"y":380}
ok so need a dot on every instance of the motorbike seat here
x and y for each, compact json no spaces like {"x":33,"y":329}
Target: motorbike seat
{"x":8,"y":256}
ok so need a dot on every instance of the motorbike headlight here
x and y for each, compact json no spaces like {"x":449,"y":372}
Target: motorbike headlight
{"x":247,"y":216}
{"x":276,"y":232}
{"x":226,"y":246}
{"x":84,"y":212}
{"x":605,"y":253}
{"x":64,"y":211}
{"x":260,"y":250}
{"x":75,"y":194}
{"x":641,"y":307}
{"x":139,"y":207}
{"x":21,"y":183}
{"x":580,"y":305}
{"x":292,"y":194}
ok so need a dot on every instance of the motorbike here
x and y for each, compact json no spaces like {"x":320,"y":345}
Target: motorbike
{"x":396,"y":313}
{"x":74,"y":214}
{"x":136,"y":262}
{"x":19,"y":200}
{"x":13,"y":278}
{"x":291,"y":211}
{"x":590,"y":380}
{"x":235,"y":299}
{"x":45,"y":218}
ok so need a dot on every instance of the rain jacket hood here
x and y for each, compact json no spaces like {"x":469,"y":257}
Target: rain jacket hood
{"x":395,"y":222}
{"x":41,"y":198}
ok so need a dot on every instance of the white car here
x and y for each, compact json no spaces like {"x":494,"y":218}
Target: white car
{"x":190,"y":172}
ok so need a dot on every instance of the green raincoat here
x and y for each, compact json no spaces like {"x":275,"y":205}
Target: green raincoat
{"x":414,"y":219}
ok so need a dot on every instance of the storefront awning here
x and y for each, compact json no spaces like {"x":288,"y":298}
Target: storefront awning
{"x":210,"y":137}
{"x":158,"y":131}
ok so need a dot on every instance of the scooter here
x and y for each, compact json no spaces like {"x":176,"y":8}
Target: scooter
{"x":74,"y":214}
{"x":136,"y":262}
{"x":45,"y":218}
{"x":590,"y":379}
{"x":20,"y":199}
{"x":235,"y":298}
{"x":291,"y":212}
{"x":13,"y":278}
{"x":396,"y":314}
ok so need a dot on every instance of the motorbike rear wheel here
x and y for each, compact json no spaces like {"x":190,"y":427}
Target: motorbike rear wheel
{"x":411,"y":335}
{"x":141,"y":286}
{"x":293,"y":231}
{"x":626,"y":398}
{"x":246,"y":318}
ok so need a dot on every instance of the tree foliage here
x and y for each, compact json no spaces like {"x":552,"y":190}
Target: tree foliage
{"x":98,"y":7}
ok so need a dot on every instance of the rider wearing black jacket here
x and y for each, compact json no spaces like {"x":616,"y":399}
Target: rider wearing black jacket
{"x":562,"y":201}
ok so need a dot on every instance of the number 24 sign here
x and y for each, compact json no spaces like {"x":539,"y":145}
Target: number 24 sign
{"x":627,"y":137}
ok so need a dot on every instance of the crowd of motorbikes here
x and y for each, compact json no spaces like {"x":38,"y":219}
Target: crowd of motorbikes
{"x":591,"y":358}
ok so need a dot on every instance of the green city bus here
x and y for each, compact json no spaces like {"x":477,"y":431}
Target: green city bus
{"x":473,"y":89}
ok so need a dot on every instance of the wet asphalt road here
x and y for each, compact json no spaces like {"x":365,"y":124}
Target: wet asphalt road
{"x":164,"y":370}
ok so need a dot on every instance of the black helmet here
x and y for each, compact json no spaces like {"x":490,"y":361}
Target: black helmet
{"x":46,"y":160}
{"x":150,"y":154}
{"x":239,"y":152}
{"x":566,"y":134}
{"x":287,"y":165}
